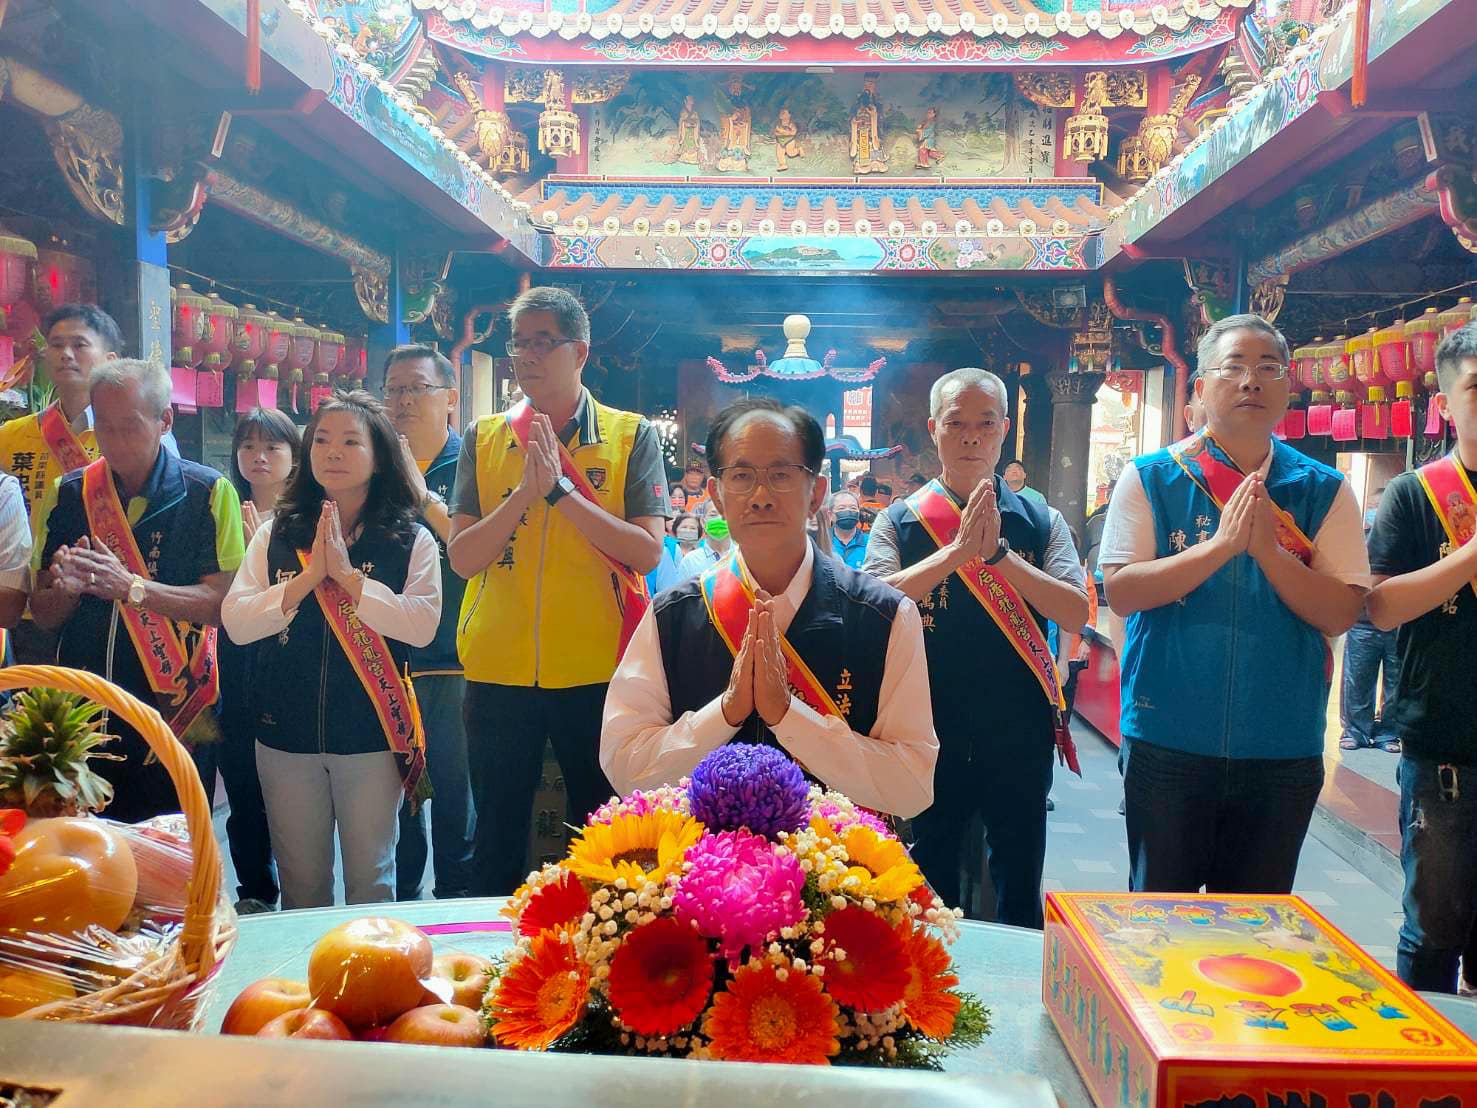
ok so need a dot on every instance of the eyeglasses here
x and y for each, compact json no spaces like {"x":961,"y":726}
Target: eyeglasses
{"x":782,"y":477}
{"x":415,"y":392}
{"x":1234,"y":371}
{"x":536,"y":347}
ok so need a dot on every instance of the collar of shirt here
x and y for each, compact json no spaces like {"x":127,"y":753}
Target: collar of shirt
{"x":585,"y":420}
{"x":164,"y":485}
{"x":1008,"y":501}
{"x":794,"y":595}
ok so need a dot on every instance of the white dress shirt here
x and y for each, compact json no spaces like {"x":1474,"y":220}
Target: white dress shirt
{"x":890,"y":769}
{"x":15,"y":536}
{"x":253,"y":608}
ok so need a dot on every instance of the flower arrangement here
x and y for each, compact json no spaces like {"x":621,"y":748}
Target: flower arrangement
{"x":743,"y":914}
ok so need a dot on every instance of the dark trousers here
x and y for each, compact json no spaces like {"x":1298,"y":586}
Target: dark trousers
{"x":1007,"y":786}
{"x":1438,"y":851}
{"x":507,"y":726}
{"x":247,"y":837}
{"x":1233,"y":825}
{"x":1367,"y":649}
{"x":32,"y":645}
{"x":451,"y":819}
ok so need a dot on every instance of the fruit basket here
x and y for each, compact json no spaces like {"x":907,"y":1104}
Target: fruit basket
{"x":148,"y":975}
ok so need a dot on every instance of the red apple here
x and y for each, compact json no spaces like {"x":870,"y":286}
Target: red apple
{"x":263,"y":1001}
{"x":375,"y":1034}
{"x":1244,"y":974}
{"x":369,"y":970}
{"x":438,"y":1025}
{"x":459,"y":978}
{"x":306,"y":1023}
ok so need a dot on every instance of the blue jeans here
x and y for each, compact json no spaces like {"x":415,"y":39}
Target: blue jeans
{"x":1366,"y":650}
{"x":1438,"y":851}
{"x":1233,"y":825}
{"x":452,"y":820}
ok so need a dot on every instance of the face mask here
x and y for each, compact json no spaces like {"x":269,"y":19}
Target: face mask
{"x":847,"y":520}
{"x":717,"y":528}
{"x":687,"y":536}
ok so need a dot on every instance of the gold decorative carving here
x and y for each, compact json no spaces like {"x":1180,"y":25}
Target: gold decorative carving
{"x":1086,"y":137}
{"x":1157,"y":132}
{"x":1051,"y":88}
{"x":373,"y":290}
{"x":1267,"y":297}
{"x":1132,"y":163}
{"x":596,"y":86}
{"x":515,"y":156}
{"x":523,"y":85}
{"x":87,"y":143}
{"x":491,"y":131}
{"x":1127,"y":88}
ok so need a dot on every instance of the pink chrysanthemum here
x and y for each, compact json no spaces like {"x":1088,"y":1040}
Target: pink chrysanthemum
{"x":740,"y":890}
{"x":842,"y":816}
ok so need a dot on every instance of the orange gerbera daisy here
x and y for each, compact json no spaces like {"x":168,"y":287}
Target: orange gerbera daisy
{"x":540,"y":996}
{"x":557,"y":905}
{"x":927,"y":1002}
{"x":760,"y":1018}
{"x":661,"y":976}
{"x":873,"y":974}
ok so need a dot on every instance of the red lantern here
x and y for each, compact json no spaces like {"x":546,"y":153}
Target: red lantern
{"x":1362,"y":359}
{"x":220,"y":327}
{"x":1333,"y":360}
{"x":1305,"y":365}
{"x":189,"y":324}
{"x":1421,"y":336}
{"x":16,"y":258}
{"x":253,"y":329}
{"x":1454,"y":319}
{"x":63,"y":278}
{"x":1391,"y":352}
{"x":328,"y":355}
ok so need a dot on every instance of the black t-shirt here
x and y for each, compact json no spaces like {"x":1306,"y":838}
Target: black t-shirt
{"x":1435,"y":709}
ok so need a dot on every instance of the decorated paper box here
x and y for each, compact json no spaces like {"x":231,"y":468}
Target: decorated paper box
{"x":1170,"y":1001}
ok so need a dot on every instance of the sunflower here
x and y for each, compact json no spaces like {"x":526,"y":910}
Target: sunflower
{"x":761,"y":1018}
{"x":557,"y":905}
{"x":927,"y":1002}
{"x":660,"y":977}
{"x":873,"y":972}
{"x":541,"y":996}
{"x":881,"y":866}
{"x":640,"y":848}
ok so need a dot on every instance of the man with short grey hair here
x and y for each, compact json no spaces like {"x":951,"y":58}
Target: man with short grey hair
{"x":1232,"y":556}
{"x":133,"y":560}
{"x":987,"y":569}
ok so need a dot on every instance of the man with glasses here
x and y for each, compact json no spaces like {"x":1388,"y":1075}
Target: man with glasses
{"x":1233,"y":557}
{"x":778,"y":643}
{"x":559,"y":508}
{"x":421,"y":397}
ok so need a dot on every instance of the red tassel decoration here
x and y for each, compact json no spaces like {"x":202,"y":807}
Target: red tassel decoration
{"x":1434,"y":426}
{"x":253,"y":46}
{"x":1295,"y":423}
{"x":1345,"y":425}
{"x":1359,"y":89}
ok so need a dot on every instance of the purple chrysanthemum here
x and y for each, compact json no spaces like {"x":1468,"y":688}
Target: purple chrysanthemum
{"x":740,"y":890}
{"x":752,"y":787}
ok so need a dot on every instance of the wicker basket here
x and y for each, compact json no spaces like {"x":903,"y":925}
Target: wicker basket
{"x":166,"y":991}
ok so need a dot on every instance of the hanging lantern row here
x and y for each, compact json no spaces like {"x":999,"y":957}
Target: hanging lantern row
{"x":264,"y":350}
{"x":1365,"y":386}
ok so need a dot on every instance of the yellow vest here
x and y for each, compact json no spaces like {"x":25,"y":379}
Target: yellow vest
{"x":545,"y":612}
{"x":24,"y":453}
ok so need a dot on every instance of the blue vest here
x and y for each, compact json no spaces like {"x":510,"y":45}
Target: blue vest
{"x":1229,"y":671}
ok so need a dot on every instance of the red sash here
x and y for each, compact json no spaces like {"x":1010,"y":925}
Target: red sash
{"x":65,"y":446}
{"x":730,"y":598}
{"x":185,"y":680}
{"x":393,"y":697}
{"x":1219,"y":479}
{"x":1451,"y":494}
{"x":941,"y":518}
{"x":630,"y":587}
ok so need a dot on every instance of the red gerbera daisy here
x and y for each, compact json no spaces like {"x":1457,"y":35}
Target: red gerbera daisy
{"x":661,"y":976}
{"x":540,"y":996}
{"x":557,"y":905}
{"x":927,"y":1002}
{"x":873,"y":974}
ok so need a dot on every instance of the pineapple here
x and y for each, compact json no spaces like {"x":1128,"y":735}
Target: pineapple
{"x":46,"y":739}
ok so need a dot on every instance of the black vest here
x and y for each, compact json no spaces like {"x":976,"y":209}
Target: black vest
{"x":967,"y":653}
{"x":307,"y":697}
{"x":841,"y":632}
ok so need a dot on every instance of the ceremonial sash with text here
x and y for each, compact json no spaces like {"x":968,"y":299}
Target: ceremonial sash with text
{"x":393,"y":697}
{"x":1219,"y":480}
{"x":729,"y":599}
{"x":941,"y":519}
{"x":1451,"y":494}
{"x":187,"y":682}
{"x":64,"y":445}
{"x":630,"y":587}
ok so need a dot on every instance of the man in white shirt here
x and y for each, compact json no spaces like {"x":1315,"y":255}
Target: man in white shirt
{"x":15,"y":554}
{"x":781,"y":644}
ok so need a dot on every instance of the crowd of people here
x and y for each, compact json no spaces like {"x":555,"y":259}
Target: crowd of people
{"x":382,"y":612}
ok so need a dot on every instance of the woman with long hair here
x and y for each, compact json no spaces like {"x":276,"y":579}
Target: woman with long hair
{"x":337,"y":587}
{"x":264,"y":453}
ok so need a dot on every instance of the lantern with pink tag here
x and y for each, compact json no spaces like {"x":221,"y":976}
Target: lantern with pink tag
{"x":1305,"y":365}
{"x":253,"y":330}
{"x":300,"y":353}
{"x":1374,"y":414}
{"x":1393,"y":355}
{"x":329,"y":357}
{"x":356,"y":361}
{"x":218,"y":333}
{"x":1421,"y":336}
{"x":189,"y":323}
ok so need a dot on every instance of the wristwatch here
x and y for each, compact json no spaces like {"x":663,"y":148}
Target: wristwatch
{"x":1000,"y":551}
{"x":562,"y":488}
{"x":136,"y":591}
{"x":432,"y":497}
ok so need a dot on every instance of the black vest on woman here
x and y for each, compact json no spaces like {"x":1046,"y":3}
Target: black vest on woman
{"x":841,"y":632}
{"x":307,"y":697}
{"x":984,"y":696}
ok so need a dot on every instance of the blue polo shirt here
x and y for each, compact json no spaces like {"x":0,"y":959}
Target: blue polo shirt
{"x":852,"y":552}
